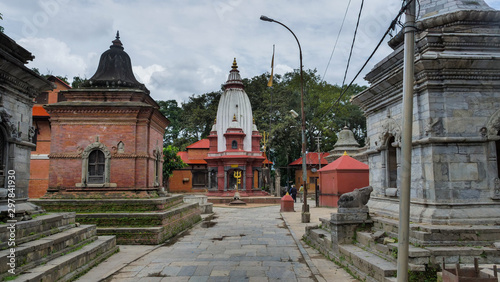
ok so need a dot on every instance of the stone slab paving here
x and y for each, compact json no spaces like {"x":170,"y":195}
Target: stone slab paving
{"x":251,"y":244}
{"x":328,"y":270}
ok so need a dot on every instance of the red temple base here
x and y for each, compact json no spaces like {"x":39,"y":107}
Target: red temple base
{"x":243,"y":193}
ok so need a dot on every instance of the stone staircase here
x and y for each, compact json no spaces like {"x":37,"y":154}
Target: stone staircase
{"x":372,"y":251}
{"x":51,"y":247}
{"x":133,"y":221}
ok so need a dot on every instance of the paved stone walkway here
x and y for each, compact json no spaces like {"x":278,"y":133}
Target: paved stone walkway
{"x":239,"y":244}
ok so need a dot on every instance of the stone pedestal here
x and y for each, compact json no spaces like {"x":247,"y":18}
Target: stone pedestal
{"x":344,"y":224}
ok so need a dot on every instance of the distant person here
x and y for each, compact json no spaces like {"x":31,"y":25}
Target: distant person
{"x":293,"y":192}
{"x":301,"y":190}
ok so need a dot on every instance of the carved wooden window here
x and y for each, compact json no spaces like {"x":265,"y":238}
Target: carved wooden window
{"x":199,"y":178}
{"x":234,"y":144}
{"x":96,"y":167}
{"x":392,"y":164}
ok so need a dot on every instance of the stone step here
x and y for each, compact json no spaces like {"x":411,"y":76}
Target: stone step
{"x":136,"y":219}
{"x":321,"y":239}
{"x":34,"y":253}
{"x":71,"y":265}
{"x":41,"y":226}
{"x":179,"y":220}
{"x":109,"y":205}
{"x":442,"y":235}
{"x":463,"y":254}
{"x":389,"y":251}
{"x":368,"y":263}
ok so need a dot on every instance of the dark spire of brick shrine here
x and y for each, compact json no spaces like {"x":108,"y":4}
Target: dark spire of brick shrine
{"x":115,"y":69}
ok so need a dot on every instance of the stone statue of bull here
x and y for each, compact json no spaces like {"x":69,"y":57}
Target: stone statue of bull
{"x":355,"y":199}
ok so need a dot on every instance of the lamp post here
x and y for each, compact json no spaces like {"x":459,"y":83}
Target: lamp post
{"x":306,"y":216}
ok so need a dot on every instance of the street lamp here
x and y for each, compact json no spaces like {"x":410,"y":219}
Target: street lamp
{"x":306,"y":216}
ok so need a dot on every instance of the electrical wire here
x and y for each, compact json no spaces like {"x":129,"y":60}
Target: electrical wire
{"x":337,"y":40}
{"x":353,"y":40}
{"x":391,"y":27}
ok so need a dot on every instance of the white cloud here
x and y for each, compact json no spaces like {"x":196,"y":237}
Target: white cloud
{"x":53,"y":56}
{"x":282,"y":69}
{"x":144,"y":74}
{"x":185,"y":47}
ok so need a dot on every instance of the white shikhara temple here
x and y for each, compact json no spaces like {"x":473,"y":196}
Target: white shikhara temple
{"x":234,"y":160}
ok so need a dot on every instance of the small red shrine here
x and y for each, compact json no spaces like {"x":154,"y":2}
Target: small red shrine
{"x":234,"y":158}
{"x":341,"y":176}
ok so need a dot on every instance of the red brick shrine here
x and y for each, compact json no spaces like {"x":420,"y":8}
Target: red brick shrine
{"x":107,"y":136}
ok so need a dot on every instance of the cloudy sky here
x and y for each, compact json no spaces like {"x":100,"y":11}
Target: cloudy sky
{"x":183,"y":47}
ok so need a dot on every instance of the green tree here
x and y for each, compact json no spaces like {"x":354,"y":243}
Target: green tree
{"x":271,"y":107}
{"x":171,"y":162}
{"x":198,"y":116}
{"x":78,"y":81}
{"x":271,"y":110}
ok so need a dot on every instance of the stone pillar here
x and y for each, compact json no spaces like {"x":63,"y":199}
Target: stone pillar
{"x":344,"y":224}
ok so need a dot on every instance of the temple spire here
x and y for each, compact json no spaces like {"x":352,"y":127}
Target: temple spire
{"x":235,"y":65}
{"x":115,"y":69}
{"x":234,"y":78}
{"x":117,"y":42}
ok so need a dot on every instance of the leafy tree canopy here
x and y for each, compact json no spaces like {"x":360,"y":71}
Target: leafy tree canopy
{"x":171,"y":162}
{"x":326,"y":114}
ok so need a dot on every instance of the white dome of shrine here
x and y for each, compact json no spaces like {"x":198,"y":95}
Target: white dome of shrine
{"x":234,"y":111}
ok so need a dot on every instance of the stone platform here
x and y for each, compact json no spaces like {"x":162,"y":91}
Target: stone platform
{"x":369,"y":247}
{"x":52,"y":247}
{"x":133,"y":221}
{"x":249,"y":200}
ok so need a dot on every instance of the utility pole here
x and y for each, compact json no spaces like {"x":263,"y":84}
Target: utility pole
{"x":316,"y":196}
{"x":318,"y":142}
{"x":404,"y":199}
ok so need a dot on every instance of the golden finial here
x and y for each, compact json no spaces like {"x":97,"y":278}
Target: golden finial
{"x":234,"y":117}
{"x":345,"y":153}
{"x":215,"y":121}
{"x":253,"y":120}
{"x":235,"y":66}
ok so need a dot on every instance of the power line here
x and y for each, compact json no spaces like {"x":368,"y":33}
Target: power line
{"x":337,"y":40}
{"x":391,"y":27}
{"x":353,"y":40}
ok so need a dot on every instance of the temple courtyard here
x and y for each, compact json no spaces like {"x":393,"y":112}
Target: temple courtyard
{"x":230,"y":246}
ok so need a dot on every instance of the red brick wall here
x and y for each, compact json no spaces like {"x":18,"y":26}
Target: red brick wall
{"x":176,"y":183}
{"x":64,"y":172}
{"x":39,"y":168}
{"x":39,"y":178}
{"x":197,"y":154}
{"x":71,"y":134}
